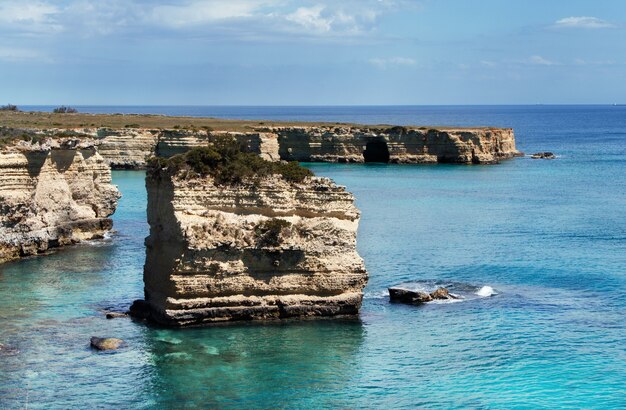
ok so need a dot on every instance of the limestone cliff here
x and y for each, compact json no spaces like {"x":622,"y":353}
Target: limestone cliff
{"x":395,"y":144}
{"x":266,"y":249}
{"x":53,"y":194}
{"x":309,"y":143}
{"x":130,"y":148}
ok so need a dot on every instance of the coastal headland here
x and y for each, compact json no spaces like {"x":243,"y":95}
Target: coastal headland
{"x":238,"y":230}
{"x":128,"y":141}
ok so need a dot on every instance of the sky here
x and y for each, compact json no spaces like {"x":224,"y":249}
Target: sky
{"x":312,"y":52}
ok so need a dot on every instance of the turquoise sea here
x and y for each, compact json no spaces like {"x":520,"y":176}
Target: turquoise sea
{"x":549,"y":236}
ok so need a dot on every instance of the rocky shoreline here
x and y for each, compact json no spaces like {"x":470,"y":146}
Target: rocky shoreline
{"x":53,"y":195}
{"x":129,"y":146}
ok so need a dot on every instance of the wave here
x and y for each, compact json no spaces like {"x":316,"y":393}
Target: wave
{"x":486,"y":291}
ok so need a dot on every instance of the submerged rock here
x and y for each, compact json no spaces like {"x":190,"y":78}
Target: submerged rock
{"x":543,"y":155}
{"x":106,"y":343}
{"x":115,"y":315}
{"x":7,"y":350}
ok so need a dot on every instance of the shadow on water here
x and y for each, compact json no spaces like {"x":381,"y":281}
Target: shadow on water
{"x":267,"y":364}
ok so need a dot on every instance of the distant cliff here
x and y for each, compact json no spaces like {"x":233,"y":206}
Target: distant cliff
{"x":53,"y":195}
{"x":264,"y":247}
{"x":402,"y":145}
{"x":130,"y":147}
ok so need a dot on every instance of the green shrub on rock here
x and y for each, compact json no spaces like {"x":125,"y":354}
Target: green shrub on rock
{"x":225,"y":161}
{"x":64,"y":110}
{"x":9,"y":107}
{"x":269,"y":232}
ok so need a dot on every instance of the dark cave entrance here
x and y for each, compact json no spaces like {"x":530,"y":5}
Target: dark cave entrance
{"x":376,"y":151}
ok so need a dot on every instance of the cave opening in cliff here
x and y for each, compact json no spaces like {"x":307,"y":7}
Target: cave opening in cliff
{"x":376,"y":151}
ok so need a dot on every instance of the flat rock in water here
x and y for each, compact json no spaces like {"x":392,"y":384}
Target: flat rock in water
{"x":543,"y":155}
{"x":106,"y":343}
{"x":408,"y":296}
{"x":414,"y":297}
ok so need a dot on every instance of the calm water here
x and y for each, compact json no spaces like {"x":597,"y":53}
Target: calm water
{"x":548,"y":236}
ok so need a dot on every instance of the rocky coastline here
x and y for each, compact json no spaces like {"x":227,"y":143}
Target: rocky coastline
{"x":129,"y":146}
{"x":51,"y":195}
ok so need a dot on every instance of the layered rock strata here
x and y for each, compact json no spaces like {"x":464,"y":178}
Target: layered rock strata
{"x":396,"y":145}
{"x":52,"y":195}
{"x":331,"y":144}
{"x":273,"y":249}
{"x":130,"y":148}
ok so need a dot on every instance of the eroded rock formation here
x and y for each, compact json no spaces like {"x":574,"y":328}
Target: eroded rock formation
{"x":130,"y":148}
{"x":52,"y":195}
{"x":396,"y":144}
{"x":261,"y":250}
{"x":324,"y":144}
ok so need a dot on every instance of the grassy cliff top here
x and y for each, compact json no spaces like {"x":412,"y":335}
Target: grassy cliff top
{"x":18,"y":119}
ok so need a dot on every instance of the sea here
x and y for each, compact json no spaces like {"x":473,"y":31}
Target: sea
{"x":536,"y":248}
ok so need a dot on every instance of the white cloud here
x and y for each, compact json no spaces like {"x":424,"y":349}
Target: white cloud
{"x":488,"y":63}
{"x":29,"y":17}
{"x":311,"y":19}
{"x":240,"y":19}
{"x":538,"y":60}
{"x":16,"y":55}
{"x":384,"y":63}
{"x":583,"y":22}
{"x":207,"y":11}
{"x":24,"y":12}
{"x":580,"y":61}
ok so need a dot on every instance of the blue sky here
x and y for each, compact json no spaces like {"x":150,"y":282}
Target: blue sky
{"x":290,"y":52}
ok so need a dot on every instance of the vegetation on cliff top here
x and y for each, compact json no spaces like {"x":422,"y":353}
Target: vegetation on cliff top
{"x":65,"y":110}
{"x":17,"y":119}
{"x":9,"y":107}
{"x":225,"y":161}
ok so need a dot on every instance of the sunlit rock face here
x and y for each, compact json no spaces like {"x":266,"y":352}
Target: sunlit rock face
{"x":51,"y":195}
{"x":131,"y":148}
{"x":395,"y":144}
{"x":269,"y":250}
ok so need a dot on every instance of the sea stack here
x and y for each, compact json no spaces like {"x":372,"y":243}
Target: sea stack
{"x":53,"y":193}
{"x":236,"y":237}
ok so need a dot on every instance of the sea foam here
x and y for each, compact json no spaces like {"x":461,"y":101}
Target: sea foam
{"x":486,"y":291}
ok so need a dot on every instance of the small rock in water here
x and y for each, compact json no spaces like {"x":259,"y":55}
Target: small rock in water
{"x":543,"y":155}
{"x":139,"y":309}
{"x":416,"y":297}
{"x":114,"y":315}
{"x":106,"y":343}
{"x":408,"y":296}
{"x":442,"y":294}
